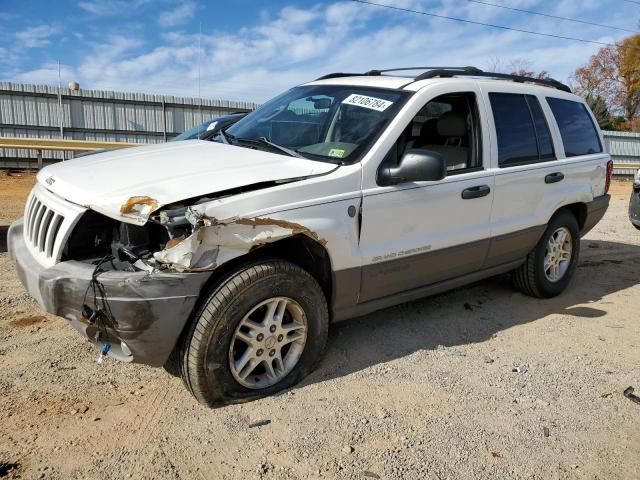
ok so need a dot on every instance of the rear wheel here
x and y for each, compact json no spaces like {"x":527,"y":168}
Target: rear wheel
{"x":262,"y":330}
{"x":550,"y":265}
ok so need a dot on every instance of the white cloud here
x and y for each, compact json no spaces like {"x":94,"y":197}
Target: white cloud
{"x":35,"y":37}
{"x":294,"y":45}
{"x":179,"y":15}
{"x":47,"y":74}
{"x":110,"y":7}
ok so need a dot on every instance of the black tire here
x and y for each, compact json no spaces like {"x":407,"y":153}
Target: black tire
{"x":530,"y":277}
{"x":637,"y":226}
{"x":204,"y":352}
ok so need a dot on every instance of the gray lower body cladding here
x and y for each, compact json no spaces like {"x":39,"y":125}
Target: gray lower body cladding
{"x":595,"y":211}
{"x":148,"y":310}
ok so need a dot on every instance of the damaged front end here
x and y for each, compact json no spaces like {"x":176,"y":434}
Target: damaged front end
{"x":179,"y":237}
{"x":201,"y":243}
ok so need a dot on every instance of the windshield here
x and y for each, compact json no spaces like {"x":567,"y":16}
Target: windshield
{"x":323,"y":122}
{"x":194,"y":132}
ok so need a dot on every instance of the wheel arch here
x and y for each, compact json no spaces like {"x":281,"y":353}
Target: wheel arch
{"x":578,"y":210}
{"x":299,"y":249}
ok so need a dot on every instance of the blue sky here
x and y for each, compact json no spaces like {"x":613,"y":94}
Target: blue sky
{"x":251,"y":50}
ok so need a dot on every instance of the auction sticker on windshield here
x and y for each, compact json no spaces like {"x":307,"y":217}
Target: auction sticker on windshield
{"x":364,"y":101}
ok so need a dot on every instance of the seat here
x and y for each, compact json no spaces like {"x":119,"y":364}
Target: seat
{"x":452,"y":128}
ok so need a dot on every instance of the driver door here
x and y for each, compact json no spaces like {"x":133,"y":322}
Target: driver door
{"x":420,"y":233}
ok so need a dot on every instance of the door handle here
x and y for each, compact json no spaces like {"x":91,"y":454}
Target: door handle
{"x":476,"y":192}
{"x":554,"y":177}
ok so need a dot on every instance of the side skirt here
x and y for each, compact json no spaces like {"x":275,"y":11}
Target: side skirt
{"x":421,"y":292}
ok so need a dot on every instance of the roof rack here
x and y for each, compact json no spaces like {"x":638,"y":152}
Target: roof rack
{"x":448,"y":72}
{"x":380,"y":72}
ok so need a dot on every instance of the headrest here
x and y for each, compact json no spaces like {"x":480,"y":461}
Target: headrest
{"x":452,"y":124}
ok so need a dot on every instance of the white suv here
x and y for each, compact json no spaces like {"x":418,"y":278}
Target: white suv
{"x":227,"y":260}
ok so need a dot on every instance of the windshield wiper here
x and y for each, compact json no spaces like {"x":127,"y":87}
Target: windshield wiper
{"x":265,"y":141}
{"x":288,"y":151}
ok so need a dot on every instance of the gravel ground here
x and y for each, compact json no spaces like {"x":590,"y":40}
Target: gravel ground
{"x":425,"y":390}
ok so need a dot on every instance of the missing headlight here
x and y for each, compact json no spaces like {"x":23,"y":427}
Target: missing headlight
{"x":96,"y":235}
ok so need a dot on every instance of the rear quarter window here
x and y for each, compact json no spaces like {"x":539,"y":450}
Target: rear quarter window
{"x":579,"y":134}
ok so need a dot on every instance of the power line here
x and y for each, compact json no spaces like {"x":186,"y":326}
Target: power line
{"x":632,"y":1}
{"x":548,"y":15}
{"x":473,"y":22}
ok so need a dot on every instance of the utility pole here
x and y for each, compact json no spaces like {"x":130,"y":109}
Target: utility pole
{"x":60,"y":113}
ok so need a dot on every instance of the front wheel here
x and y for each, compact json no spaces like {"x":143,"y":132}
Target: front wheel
{"x":262,"y":330}
{"x":550,"y":265}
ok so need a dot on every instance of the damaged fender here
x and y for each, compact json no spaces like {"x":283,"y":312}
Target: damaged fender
{"x":214,"y":242}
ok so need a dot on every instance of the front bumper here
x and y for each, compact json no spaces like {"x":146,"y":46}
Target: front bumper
{"x":634,"y":206}
{"x":149,"y":310}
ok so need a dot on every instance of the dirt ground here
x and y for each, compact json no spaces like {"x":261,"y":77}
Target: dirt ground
{"x":425,"y":390}
{"x":14,"y":189}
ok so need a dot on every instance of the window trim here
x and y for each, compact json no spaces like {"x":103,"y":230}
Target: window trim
{"x":476,"y":130}
{"x":535,"y":131}
{"x":553,"y":157}
{"x":591,"y":119}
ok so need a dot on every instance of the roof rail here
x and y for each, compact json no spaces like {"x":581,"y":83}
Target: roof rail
{"x":339,"y":74}
{"x":463,"y":69}
{"x":380,"y":72}
{"x":447,"y":73}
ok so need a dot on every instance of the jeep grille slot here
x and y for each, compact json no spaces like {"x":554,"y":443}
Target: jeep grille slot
{"x":47,"y":223}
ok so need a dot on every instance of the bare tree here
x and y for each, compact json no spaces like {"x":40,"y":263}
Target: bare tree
{"x":516,"y":66}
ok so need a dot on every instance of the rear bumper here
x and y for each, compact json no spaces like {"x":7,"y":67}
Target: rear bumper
{"x":149,"y":310}
{"x":595,"y":211}
{"x":634,"y":206}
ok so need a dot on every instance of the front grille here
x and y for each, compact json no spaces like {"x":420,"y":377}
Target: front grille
{"x":48,"y":221}
{"x":42,"y":226}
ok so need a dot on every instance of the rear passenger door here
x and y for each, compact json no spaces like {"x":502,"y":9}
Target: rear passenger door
{"x":533,"y":176}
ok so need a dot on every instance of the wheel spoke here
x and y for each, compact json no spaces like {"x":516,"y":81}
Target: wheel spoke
{"x":293,"y":337}
{"x":278,"y":363}
{"x":250,"y":367}
{"x":253,"y":325}
{"x":244,"y":359}
{"x":282,"y":307}
{"x":247,"y":338}
{"x":547,"y":263}
{"x":271,"y":310}
{"x":292,"y":327}
{"x":268,"y":366}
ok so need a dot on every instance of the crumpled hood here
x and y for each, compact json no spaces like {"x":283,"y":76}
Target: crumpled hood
{"x":129,"y":184}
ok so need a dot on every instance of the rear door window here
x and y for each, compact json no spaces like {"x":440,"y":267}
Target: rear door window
{"x":579,"y":134}
{"x":521,"y":129}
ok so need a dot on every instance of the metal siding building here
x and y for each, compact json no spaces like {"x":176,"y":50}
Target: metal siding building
{"x":624,"y":147}
{"x":33,"y":111}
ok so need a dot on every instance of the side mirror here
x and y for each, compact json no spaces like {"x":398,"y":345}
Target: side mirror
{"x":416,"y":165}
